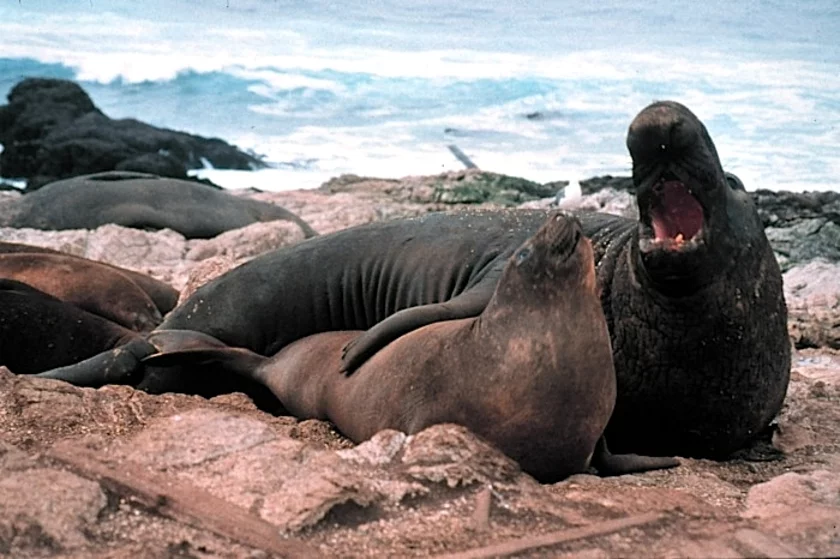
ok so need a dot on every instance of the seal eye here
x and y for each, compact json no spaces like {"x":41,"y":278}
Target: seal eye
{"x":734,"y":182}
{"x":522,"y":255}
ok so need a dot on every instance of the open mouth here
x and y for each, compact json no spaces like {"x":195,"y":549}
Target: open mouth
{"x":676,"y":218}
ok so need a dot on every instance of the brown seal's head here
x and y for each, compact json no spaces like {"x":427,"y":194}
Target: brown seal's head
{"x":691,"y":213}
{"x":557,"y":258}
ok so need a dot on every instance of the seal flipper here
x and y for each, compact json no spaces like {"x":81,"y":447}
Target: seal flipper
{"x":241,"y":362}
{"x":117,"y":366}
{"x":468,"y":304}
{"x":124,"y":364}
{"x":609,"y":464}
{"x":206,"y":370}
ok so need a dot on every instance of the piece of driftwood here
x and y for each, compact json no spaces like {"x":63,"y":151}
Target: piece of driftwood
{"x":553,"y":538}
{"x":180,"y":501}
{"x":462,"y":157}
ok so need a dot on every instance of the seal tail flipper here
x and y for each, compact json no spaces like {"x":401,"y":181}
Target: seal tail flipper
{"x":116,"y":366}
{"x":206,"y":371}
{"x":239,"y":361}
{"x":468,"y":304}
{"x":609,"y":464}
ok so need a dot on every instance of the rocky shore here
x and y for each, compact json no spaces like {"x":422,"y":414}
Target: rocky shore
{"x":51,"y":130}
{"x":115,"y":472}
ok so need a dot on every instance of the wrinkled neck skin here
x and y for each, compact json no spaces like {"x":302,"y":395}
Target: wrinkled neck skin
{"x":701,"y":352}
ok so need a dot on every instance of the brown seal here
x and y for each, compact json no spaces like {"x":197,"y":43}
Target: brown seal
{"x":533,"y":373}
{"x":91,"y":286}
{"x":164,"y":296}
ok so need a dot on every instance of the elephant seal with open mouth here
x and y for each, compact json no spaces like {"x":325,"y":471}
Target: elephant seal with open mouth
{"x":691,"y":292}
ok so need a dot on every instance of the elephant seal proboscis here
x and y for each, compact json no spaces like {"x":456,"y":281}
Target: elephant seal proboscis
{"x":691,"y":292}
{"x":533,"y":373}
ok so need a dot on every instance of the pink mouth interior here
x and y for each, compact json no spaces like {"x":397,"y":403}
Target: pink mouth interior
{"x":676,"y":212}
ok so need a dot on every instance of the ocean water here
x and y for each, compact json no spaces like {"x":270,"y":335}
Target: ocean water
{"x":543,"y":90}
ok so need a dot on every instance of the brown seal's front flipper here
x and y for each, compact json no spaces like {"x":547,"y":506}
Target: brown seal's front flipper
{"x":609,"y":464}
{"x":116,"y":366}
{"x":468,"y":304}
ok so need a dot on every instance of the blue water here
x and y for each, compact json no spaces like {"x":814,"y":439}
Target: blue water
{"x":382,"y":87}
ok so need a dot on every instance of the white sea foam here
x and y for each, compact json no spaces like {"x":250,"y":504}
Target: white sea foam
{"x":371,"y":88}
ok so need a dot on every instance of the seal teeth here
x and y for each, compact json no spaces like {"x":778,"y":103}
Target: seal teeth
{"x":675,"y":213}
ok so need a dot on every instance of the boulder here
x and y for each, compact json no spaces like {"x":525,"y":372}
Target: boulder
{"x":51,"y":130}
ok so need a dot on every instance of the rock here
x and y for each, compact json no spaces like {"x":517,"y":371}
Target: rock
{"x":402,"y":496}
{"x":246,"y":242}
{"x":453,"y":455}
{"x":812,"y":294}
{"x":799,"y":241}
{"x":791,"y":493}
{"x":52,"y":130}
{"x":794,"y":504}
{"x":471,"y":186}
{"x":160,"y":164}
{"x":294,"y":485}
{"x":47,"y":510}
{"x":596,"y":184}
{"x":165,"y":255}
{"x":780,"y":208}
{"x":609,"y":201}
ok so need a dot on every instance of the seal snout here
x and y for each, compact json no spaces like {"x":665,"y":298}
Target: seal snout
{"x":562,"y":233}
{"x":671,"y":168}
{"x":661,"y":132}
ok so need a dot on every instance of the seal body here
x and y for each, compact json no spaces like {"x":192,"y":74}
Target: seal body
{"x":142,"y":201}
{"x":691,"y":293}
{"x":532,"y":373}
{"x":39,"y":332}
{"x":163,"y":295}
{"x":96,"y":288}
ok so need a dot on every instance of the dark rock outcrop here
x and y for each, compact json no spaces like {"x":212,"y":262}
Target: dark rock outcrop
{"x":801,"y":226}
{"x":52,"y":130}
{"x":594,"y":184}
{"x":471,"y":186}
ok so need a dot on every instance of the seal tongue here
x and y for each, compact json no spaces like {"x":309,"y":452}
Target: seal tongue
{"x":676,"y":215}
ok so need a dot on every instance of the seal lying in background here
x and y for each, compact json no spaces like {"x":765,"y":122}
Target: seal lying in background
{"x":39,"y":332}
{"x":112,"y":292}
{"x":692,"y":295}
{"x":90,"y":286}
{"x":143,"y":201}
{"x":533,"y":373}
